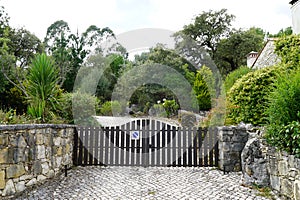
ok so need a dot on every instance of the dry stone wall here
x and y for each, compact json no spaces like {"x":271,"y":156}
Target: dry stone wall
{"x":29,"y":154}
{"x":232,"y":140}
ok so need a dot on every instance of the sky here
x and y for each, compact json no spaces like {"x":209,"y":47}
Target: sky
{"x":127,"y":15}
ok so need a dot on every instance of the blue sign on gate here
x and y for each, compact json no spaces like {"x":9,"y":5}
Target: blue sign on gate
{"x":135,"y":135}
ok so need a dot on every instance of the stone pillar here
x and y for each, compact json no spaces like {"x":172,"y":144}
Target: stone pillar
{"x":232,"y":140}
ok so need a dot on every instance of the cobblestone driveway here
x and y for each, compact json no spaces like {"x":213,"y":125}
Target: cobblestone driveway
{"x":143,"y":183}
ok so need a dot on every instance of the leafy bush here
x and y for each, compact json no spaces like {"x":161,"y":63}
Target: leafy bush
{"x":283,"y":129}
{"x":233,"y":76}
{"x":248,"y":97}
{"x":202,"y":93}
{"x":288,"y":48}
{"x":80,"y":105}
{"x":11,"y":117}
{"x":109,"y":108}
{"x":171,"y":107}
{"x":159,"y":110}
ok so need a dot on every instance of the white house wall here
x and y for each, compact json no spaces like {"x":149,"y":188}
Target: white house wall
{"x":296,"y":17}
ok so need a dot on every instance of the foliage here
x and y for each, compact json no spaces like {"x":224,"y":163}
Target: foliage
{"x":209,"y":79}
{"x":11,"y":117}
{"x":79,"y":108}
{"x":247,"y":98}
{"x":233,"y":76}
{"x":43,"y":92}
{"x":288,"y":48}
{"x":209,"y":28}
{"x":201,"y":90}
{"x":159,"y":110}
{"x":71,"y":50}
{"x":283,"y":128}
{"x":231,"y":52}
{"x":111,"y":108}
{"x":282,"y":33}
{"x":102,"y":71}
{"x":171,"y":107}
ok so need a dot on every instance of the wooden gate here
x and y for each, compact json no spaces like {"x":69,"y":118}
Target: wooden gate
{"x":145,"y":143}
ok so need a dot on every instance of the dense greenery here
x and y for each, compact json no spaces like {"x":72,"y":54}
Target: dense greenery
{"x":43,"y":92}
{"x":248,"y":97}
{"x":226,"y":46}
{"x":283,"y":113}
{"x":288,"y":48}
{"x":233,"y":76}
{"x":39,"y":86}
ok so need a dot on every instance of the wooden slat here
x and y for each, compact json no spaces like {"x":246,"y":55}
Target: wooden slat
{"x":200,"y":147}
{"x":158,"y":147}
{"x":153,"y":151}
{"x":116,"y":146}
{"x":179,"y":142}
{"x":163,"y":145}
{"x":75,"y":147}
{"x":123,"y":149}
{"x":184,"y":141}
{"x":128,"y":150}
{"x":211,"y":149}
{"x":205,"y":148}
{"x":133,"y":149}
{"x":195,"y":147}
{"x":86,"y":144}
{"x":216,"y":148}
{"x":91,"y":146}
{"x":101,"y":146}
{"x":112,"y":149}
{"x":80,"y":153}
{"x":106,"y":145}
{"x":96,"y":146}
{"x":174,"y":146}
{"x":190,"y":143}
{"x":168,"y":145}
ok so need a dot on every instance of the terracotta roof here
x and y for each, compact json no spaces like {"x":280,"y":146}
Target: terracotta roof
{"x":293,"y":2}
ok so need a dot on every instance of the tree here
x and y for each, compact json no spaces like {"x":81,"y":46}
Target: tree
{"x":43,"y":92}
{"x":19,"y":47}
{"x":231,"y":52}
{"x":283,"y":32}
{"x":209,"y":28}
{"x":71,"y":50}
{"x":201,"y":91}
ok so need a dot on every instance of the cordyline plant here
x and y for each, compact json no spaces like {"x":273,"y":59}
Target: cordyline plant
{"x":43,"y":92}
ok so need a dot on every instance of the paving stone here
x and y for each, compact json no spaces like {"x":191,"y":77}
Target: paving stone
{"x":143,"y":183}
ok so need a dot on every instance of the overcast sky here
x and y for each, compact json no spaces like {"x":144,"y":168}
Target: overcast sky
{"x":126,"y":15}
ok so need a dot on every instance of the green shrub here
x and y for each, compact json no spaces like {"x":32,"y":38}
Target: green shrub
{"x":201,"y":91}
{"x":171,"y":107}
{"x":248,"y":97}
{"x":79,"y":108}
{"x":11,"y":117}
{"x":283,"y":129}
{"x":233,"y":76}
{"x":110,"y":108}
{"x":159,"y":110}
{"x":42,"y":89}
{"x":288,"y":48}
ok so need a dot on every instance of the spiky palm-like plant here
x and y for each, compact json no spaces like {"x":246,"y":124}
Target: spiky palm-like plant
{"x":42,"y":89}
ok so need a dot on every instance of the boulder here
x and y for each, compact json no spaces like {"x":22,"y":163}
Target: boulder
{"x":255,"y":163}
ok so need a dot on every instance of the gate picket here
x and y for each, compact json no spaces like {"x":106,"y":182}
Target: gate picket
{"x":159,"y":144}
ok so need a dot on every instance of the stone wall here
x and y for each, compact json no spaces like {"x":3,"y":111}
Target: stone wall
{"x":232,"y":140}
{"x":30,"y":154}
{"x":284,"y":172}
{"x":263,"y":165}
